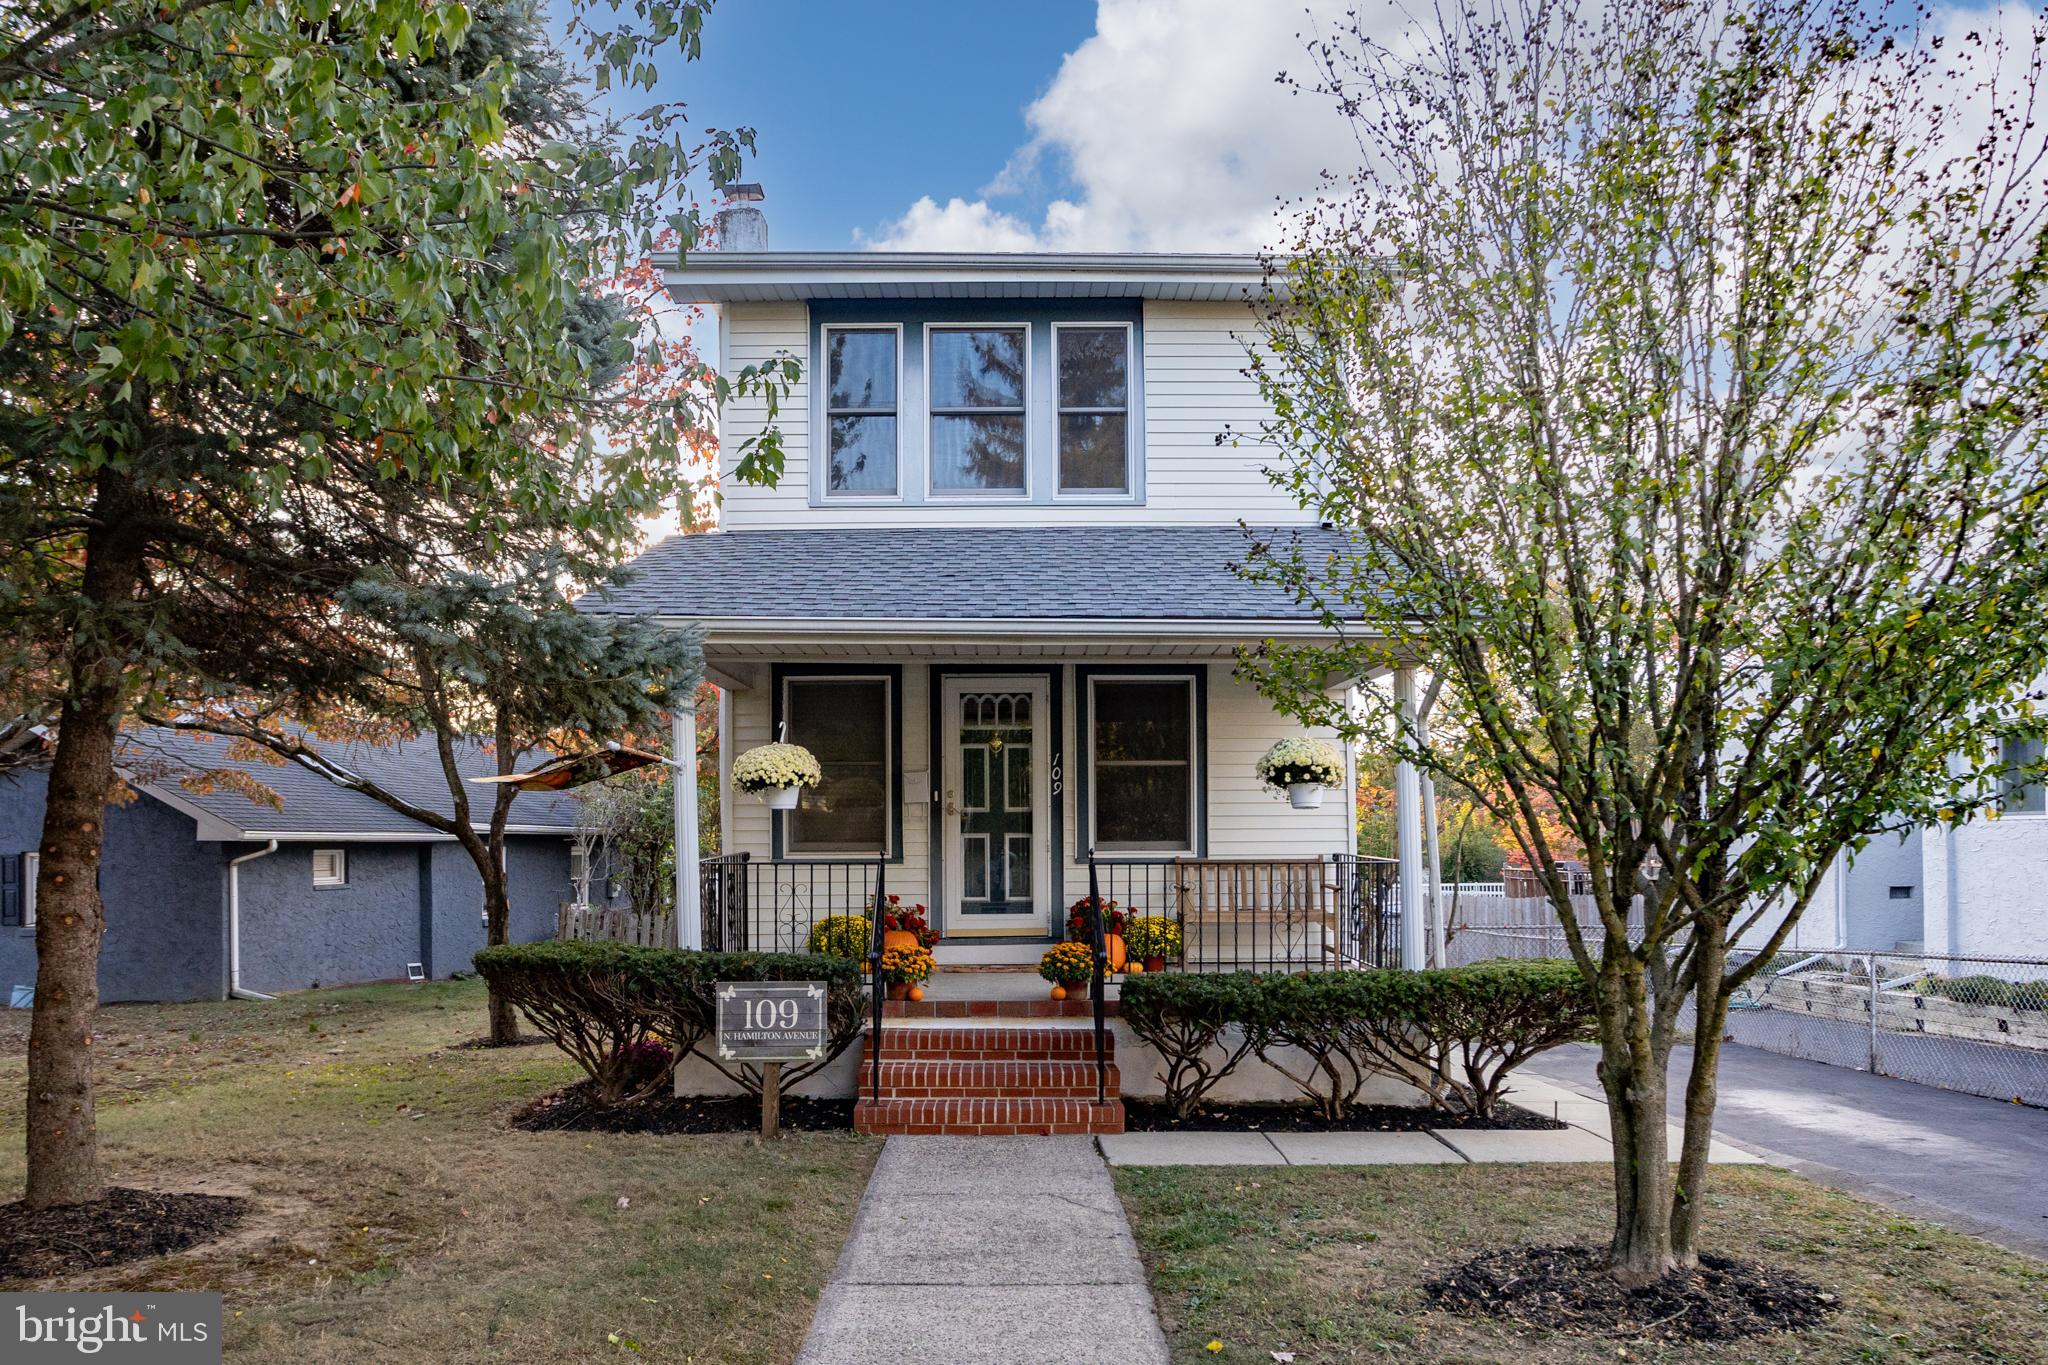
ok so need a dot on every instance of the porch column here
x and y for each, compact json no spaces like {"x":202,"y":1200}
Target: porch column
{"x":1408,"y":831}
{"x":689,"y":891}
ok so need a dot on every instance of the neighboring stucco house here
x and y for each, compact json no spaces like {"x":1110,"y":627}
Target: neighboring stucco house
{"x":206,"y":890}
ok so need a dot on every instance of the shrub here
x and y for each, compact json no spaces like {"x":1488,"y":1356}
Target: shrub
{"x":845,"y":936}
{"x":1470,"y":1027}
{"x":1988,"y":990}
{"x":649,"y":1063}
{"x":1183,"y":1016}
{"x":1334,"y":1018}
{"x":599,"y":1002}
{"x":1153,"y":936}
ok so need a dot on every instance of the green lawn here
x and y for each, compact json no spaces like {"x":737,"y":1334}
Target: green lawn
{"x":1326,"y":1263}
{"x":401,"y":1219}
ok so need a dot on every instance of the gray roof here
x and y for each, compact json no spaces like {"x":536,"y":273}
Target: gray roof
{"x":1054,"y":573}
{"x":158,"y":759}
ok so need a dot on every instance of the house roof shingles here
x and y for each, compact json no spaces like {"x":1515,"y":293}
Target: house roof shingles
{"x":1181,"y":573}
{"x":156,"y":759}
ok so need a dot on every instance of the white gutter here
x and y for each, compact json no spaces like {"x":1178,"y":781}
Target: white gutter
{"x":235,"y":990}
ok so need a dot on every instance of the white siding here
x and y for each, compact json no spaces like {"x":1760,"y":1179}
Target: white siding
{"x":1244,"y":819}
{"x":1194,"y":388}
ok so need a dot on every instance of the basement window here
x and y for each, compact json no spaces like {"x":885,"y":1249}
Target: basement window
{"x":330,"y":867}
{"x":1902,"y":893}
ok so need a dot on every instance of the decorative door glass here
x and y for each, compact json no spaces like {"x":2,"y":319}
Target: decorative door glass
{"x":998,"y":843}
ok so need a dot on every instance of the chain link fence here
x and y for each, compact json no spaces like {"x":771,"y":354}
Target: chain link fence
{"x":1974,"y":1024}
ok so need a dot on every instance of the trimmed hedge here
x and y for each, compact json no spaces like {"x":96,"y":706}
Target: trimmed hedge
{"x":598,"y":1001}
{"x":1457,"y":1033}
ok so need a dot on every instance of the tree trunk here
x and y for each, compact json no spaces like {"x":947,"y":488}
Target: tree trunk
{"x":498,"y":929}
{"x":1632,"y":1074}
{"x":63,"y":1136}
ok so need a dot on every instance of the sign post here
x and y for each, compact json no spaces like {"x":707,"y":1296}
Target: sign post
{"x":771,"y":1022}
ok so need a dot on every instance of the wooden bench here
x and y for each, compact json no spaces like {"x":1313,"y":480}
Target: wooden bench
{"x":1287,"y":905}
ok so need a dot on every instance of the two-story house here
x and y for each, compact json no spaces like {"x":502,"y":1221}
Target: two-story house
{"x":993,"y":592}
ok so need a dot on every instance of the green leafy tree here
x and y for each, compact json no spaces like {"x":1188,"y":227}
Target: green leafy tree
{"x":507,"y":662}
{"x":1679,"y":367}
{"x":289,"y":292}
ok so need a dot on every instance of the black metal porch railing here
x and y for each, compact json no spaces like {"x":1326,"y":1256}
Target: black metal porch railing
{"x":770,"y":906}
{"x":1098,"y":971}
{"x":1265,"y":914}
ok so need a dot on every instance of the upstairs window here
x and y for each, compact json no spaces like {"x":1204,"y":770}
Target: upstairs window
{"x":860,"y":411}
{"x":977,"y":390}
{"x":2021,"y":789}
{"x":1092,"y":380}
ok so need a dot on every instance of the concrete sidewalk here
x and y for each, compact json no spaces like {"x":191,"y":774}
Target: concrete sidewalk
{"x":987,"y":1249}
{"x":1974,"y":1165}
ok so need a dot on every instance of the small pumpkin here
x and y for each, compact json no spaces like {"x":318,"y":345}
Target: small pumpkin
{"x":917,"y":992}
{"x":1134,"y":968}
{"x":1059,"y":992}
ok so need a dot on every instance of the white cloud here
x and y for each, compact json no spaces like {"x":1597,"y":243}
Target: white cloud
{"x":1173,"y":128}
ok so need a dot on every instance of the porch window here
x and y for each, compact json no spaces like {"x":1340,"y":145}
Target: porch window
{"x":1092,"y":380}
{"x":2021,"y":790}
{"x":977,"y":383}
{"x":860,"y":410}
{"x":845,"y":722}
{"x":1141,"y":758}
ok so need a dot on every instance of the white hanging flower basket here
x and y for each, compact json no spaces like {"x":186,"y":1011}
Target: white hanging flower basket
{"x":776,"y":773}
{"x":1303,"y":768}
{"x":1305,"y":795}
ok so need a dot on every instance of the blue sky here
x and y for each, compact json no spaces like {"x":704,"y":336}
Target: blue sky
{"x":862,"y":108}
{"x":1049,"y":124}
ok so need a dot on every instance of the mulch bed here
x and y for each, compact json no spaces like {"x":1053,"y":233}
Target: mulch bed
{"x":485,"y":1044}
{"x":1565,"y":1289}
{"x":1150,"y":1116}
{"x":126,"y":1225}
{"x":571,"y":1110}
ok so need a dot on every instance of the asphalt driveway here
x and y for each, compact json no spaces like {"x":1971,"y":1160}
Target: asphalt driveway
{"x":1976,"y":1165}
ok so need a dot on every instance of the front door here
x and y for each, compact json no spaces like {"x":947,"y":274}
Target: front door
{"x":998,"y":863}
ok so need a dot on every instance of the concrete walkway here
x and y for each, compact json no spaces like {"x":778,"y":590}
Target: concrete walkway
{"x":987,"y":1249}
{"x":1971,"y":1164}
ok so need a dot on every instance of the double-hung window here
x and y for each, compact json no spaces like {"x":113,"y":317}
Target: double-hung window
{"x":976,"y":387}
{"x":2022,"y":790}
{"x":1092,"y":365}
{"x":860,"y":411}
{"x":1142,"y":764}
{"x":846,"y":722}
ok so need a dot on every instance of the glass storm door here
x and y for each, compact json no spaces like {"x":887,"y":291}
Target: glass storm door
{"x":997,"y":856}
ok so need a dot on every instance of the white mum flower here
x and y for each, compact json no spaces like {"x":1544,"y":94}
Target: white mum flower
{"x":1299,"y":760}
{"x":776,"y":765}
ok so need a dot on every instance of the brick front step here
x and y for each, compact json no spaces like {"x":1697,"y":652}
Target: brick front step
{"x":988,"y":1117}
{"x":995,"y":1009}
{"x":942,"y":1043}
{"x":1008,"y":1079}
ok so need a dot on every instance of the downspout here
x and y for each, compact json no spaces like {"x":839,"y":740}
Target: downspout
{"x":235,"y":991}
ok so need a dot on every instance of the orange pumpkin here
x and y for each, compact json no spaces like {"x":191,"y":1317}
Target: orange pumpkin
{"x":1114,"y":945}
{"x":899,"y":938}
{"x":1134,"y":968}
{"x":917,"y":992}
{"x":1059,"y":992}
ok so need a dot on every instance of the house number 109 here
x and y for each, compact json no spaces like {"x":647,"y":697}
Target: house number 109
{"x":771,"y":1014}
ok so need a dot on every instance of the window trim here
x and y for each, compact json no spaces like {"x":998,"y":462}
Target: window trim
{"x":1060,"y":491}
{"x":891,"y":676}
{"x":2014,"y":796}
{"x":340,"y":877}
{"x":928,"y":411}
{"x":1197,"y":679}
{"x":826,"y":410}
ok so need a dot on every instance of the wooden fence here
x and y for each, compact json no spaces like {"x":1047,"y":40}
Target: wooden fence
{"x":610,"y":923}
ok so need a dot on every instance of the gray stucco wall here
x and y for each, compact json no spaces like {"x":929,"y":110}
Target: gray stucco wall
{"x":166,"y":917}
{"x":1875,"y":919}
{"x":296,"y":935}
{"x":166,"y":899}
{"x":538,"y":870}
